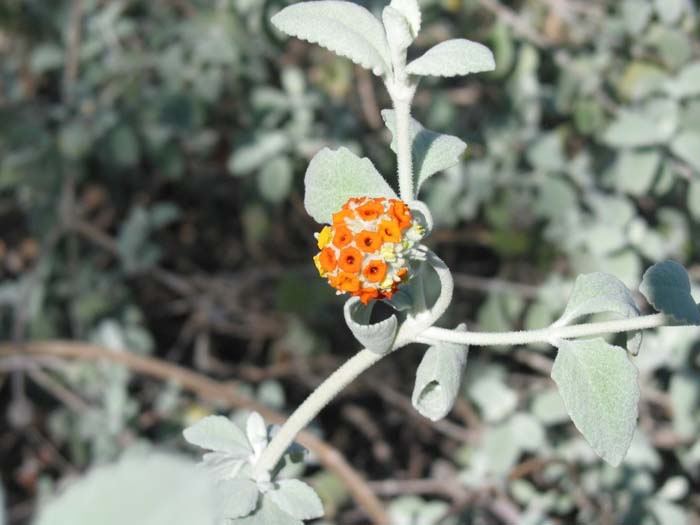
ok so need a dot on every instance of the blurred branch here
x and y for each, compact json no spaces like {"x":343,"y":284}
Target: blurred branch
{"x":73,"y":38}
{"x":213,"y":391}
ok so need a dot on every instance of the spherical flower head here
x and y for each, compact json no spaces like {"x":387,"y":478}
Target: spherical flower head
{"x":367,"y":251}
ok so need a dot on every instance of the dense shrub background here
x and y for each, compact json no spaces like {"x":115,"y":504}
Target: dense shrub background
{"x":151,"y":184}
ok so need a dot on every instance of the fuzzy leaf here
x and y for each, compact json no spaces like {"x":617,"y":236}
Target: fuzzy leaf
{"x":687,"y":83}
{"x":398,"y":30}
{"x":600,"y":292}
{"x":220,"y":434}
{"x":297,"y":499}
{"x":334,"y":176}
{"x":432,"y":152}
{"x":410,"y":10}
{"x":345,"y":28}
{"x":453,"y":57}
{"x":598,"y":384}
{"x":256,"y":431}
{"x":268,"y":513}
{"x":238,"y":497}
{"x":438,"y":379}
{"x":654,"y":123}
{"x":666,"y":286}
{"x":377,"y":337}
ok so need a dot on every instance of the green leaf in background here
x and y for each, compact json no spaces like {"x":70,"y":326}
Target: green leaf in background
{"x":376,"y":337}
{"x":438,"y":379}
{"x":249,"y":157}
{"x":653,"y":123}
{"x":599,"y":386}
{"x":599,"y":292}
{"x":345,"y":28}
{"x":432,"y":152}
{"x":453,"y":57}
{"x":153,"y":489}
{"x":694,"y":199}
{"x":670,"y":11}
{"x":636,"y":14}
{"x":687,"y":83}
{"x":335,"y":176}
{"x":635,"y":170}
{"x":297,"y":499}
{"x":687,"y":146}
{"x":411,"y":11}
{"x":412,"y":510}
{"x":666,"y":286}
{"x":275,"y":179}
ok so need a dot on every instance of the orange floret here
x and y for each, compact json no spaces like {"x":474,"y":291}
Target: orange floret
{"x":350,"y":260}
{"x":339,"y":217}
{"x":342,"y":236}
{"x":347,"y":282}
{"x":368,"y":241}
{"x":367,"y":294}
{"x":375,"y":271}
{"x":390,"y":231}
{"x":402,"y":214}
{"x":328,"y":260}
{"x":370,"y":210}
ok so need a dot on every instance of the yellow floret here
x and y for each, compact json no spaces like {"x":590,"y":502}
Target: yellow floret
{"x":324,"y":237}
{"x":317,"y":262}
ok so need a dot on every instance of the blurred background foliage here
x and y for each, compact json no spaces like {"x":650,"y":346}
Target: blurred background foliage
{"x":151,"y":185}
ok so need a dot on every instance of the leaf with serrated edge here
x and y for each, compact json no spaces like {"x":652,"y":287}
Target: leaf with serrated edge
{"x":599,"y":386}
{"x":220,"y":434}
{"x":334,"y":176}
{"x":411,"y":10}
{"x":438,"y":379}
{"x":600,"y":292}
{"x":432,"y":152}
{"x":345,"y":28}
{"x":238,"y":497}
{"x":268,"y":513}
{"x":377,"y":337}
{"x":666,"y":286}
{"x":398,"y":31}
{"x":453,"y":57}
{"x":297,"y":498}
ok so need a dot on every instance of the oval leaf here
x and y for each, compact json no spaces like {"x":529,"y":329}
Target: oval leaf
{"x":600,"y":292}
{"x":238,"y":497}
{"x":220,"y":434}
{"x":334,"y":176}
{"x":297,"y":499}
{"x":667,"y":288}
{"x":411,"y":10}
{"x":453,"y":57}
{"x":345,"y":28}
{"x":378,"y":337}
{"x":398,"y":31}
{"x":438,"y":379}
{"x":599,"y":386}
{"x":432,"y":152}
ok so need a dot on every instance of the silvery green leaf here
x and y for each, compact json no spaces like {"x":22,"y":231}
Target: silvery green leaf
{"x":411,"y":10}
{"x":600,"y":292}
{"x":684,"y":392}
{"x":686,"y":145}
{"x":666,"y":286}
{"x":635,"y":170}
{"x":495,"y":399}
{"x":345,"y":28}
{"x":275,"y":179}
{"x":687,"y":83}
{"x":378,"y":337}
{"x":438,"y":379}
{"x":636,"y":14}
{"x":238,"y":497}
{"x":154,"y":488}
{"x":432,"y":152}
{"x":453,"y":57}
{"x":297,"y":499}
{"x":668,"y":513}
{"x":398,"y":31}
{"x":598,"y":384}
{"x":268,"y":513}
{"x":256,"y":431}
{"x":334,"y":176}
{"x":654,"y":123}
{"x":220,"y":434}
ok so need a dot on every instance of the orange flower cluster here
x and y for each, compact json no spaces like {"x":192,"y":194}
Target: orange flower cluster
{"x":366,"y":251}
